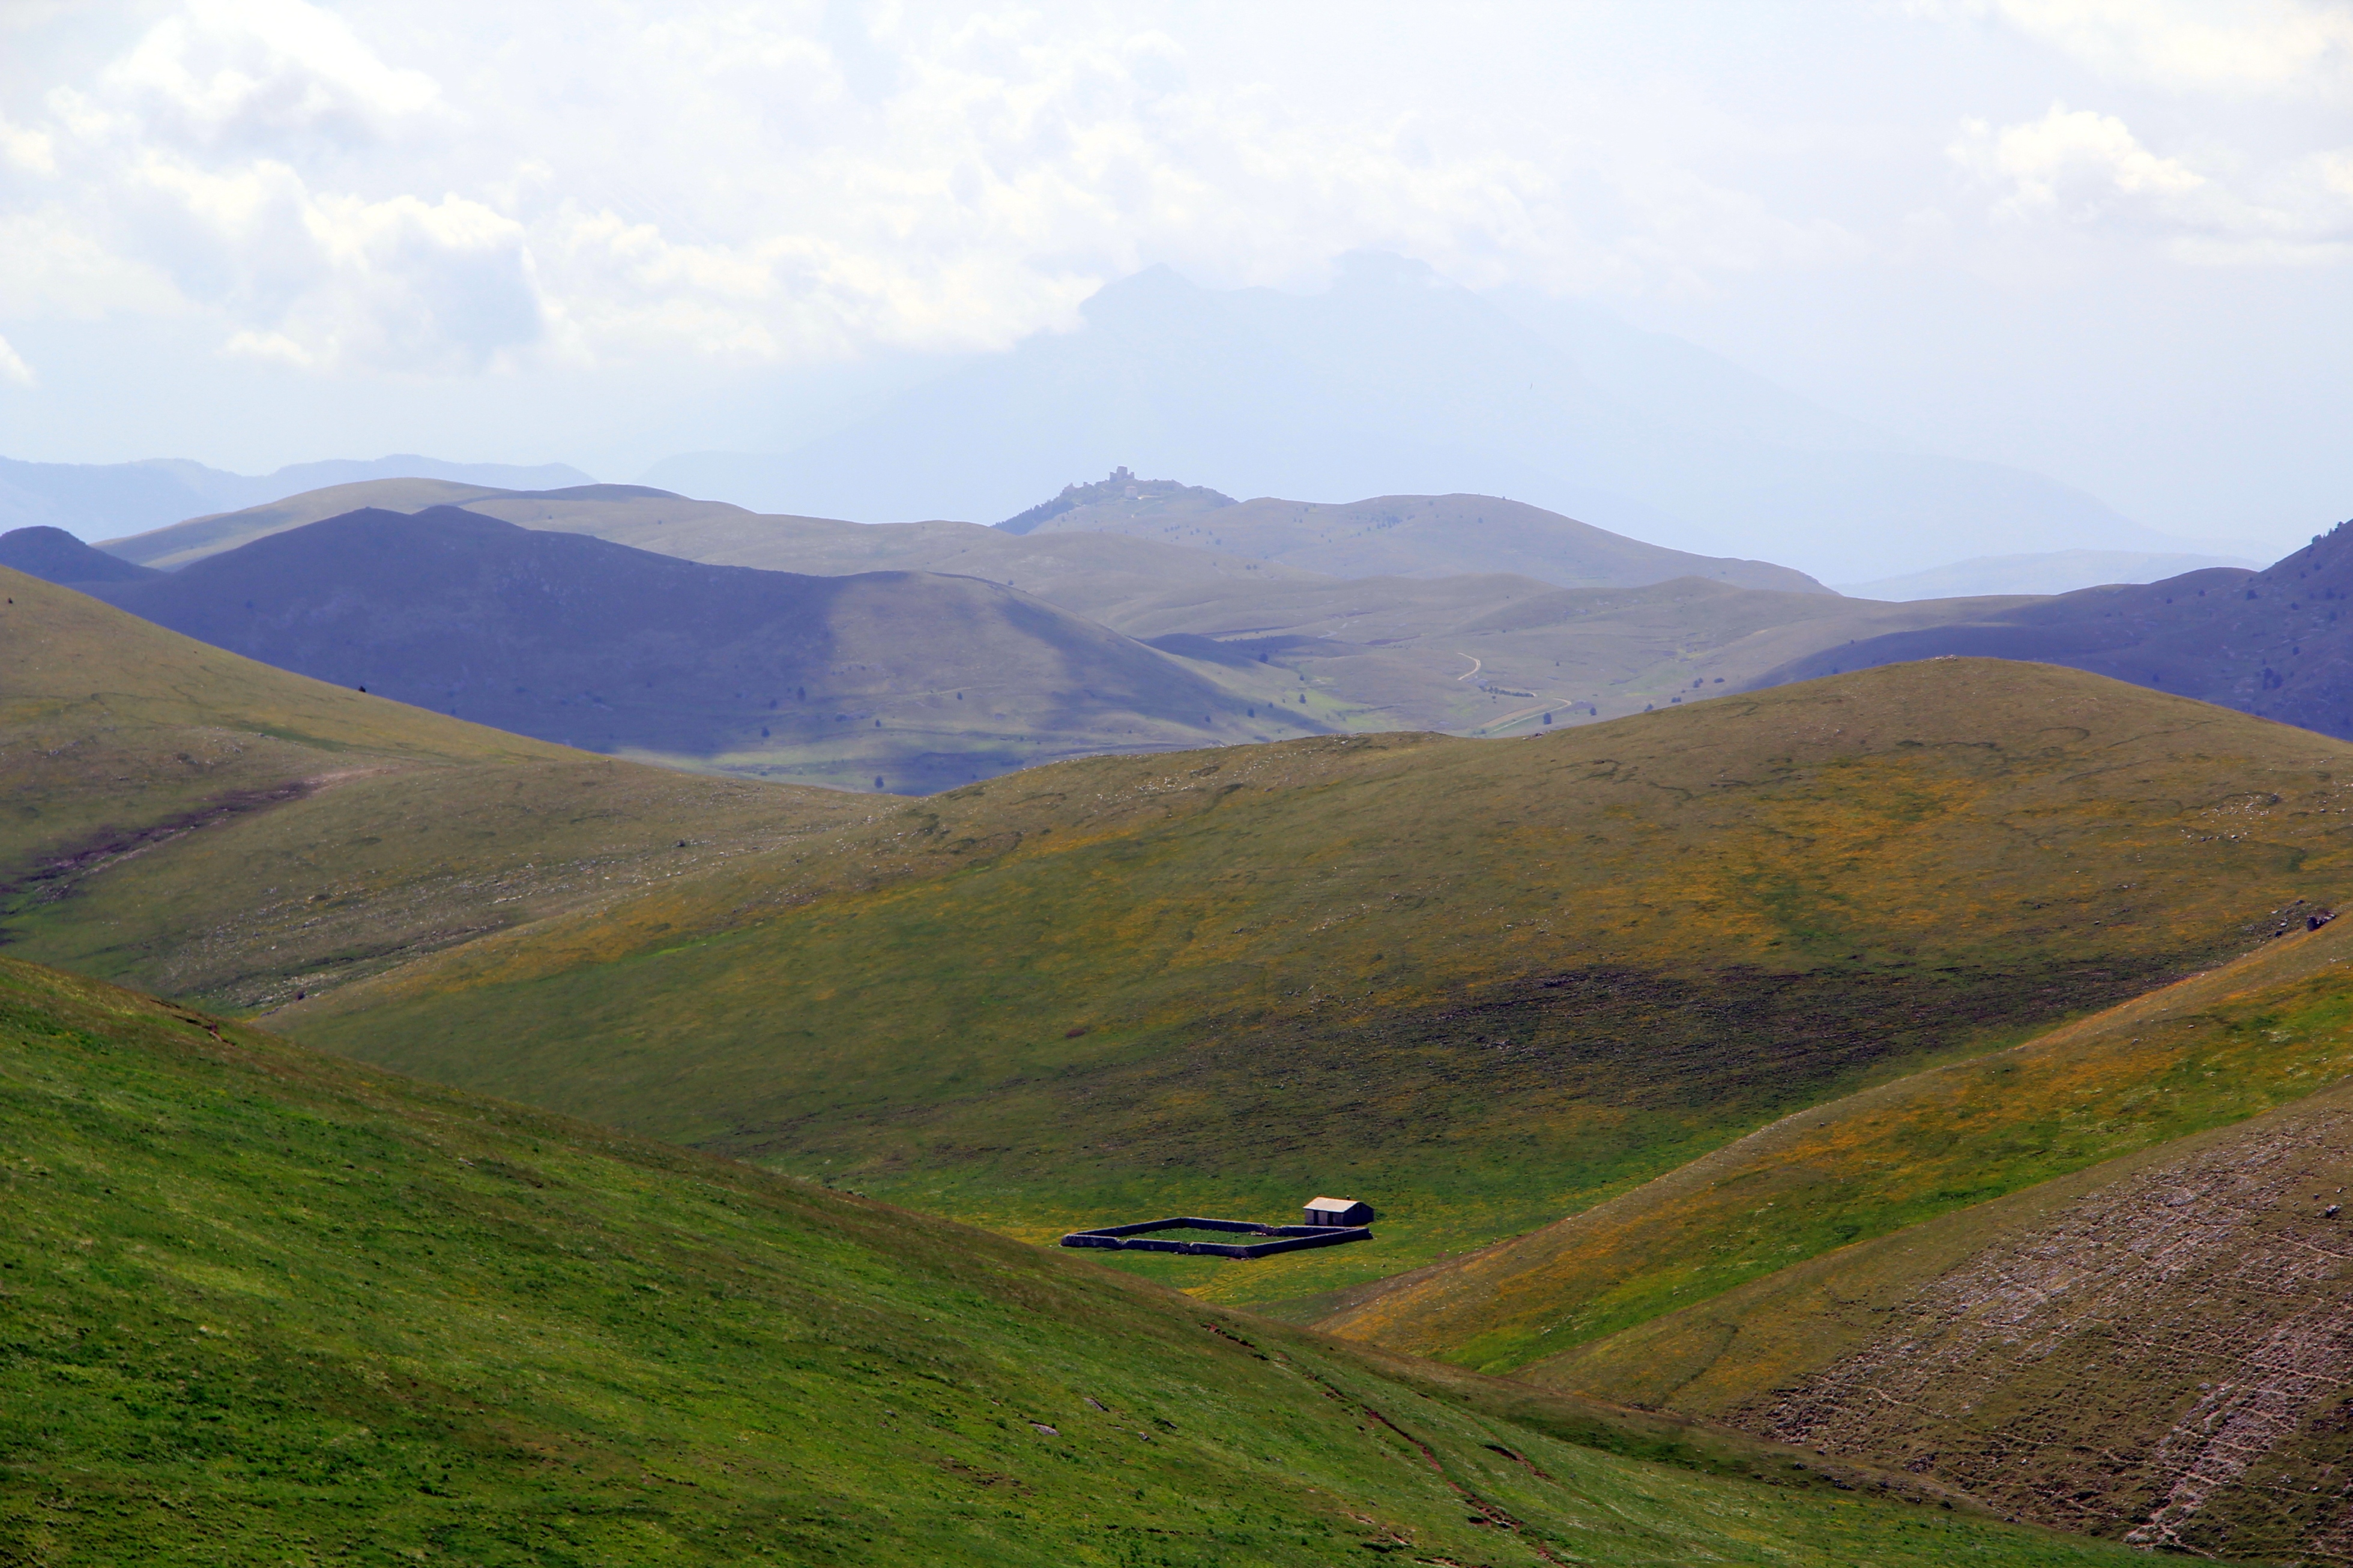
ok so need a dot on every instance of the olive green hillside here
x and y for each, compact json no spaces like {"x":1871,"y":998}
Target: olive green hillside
{"x":260,"y":1305}
{"x":2151,"y":1349}
{"x":2204,"y":1052}
{"x":178,"y":816}
{"x":1501,"y":654}
{"x":1480,"y":984}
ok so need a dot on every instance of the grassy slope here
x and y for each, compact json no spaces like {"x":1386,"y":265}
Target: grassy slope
{"x":175,"y":546}
{"x":188,"y":820}
{"x":1407,"y":647}
{"x":1428,"y":536}
{"x":2200,"y":1054}
{"x":1094,"y":575}
{"x":259,"y":1305}
{"x":1478,"y":984}
{"x":2150,"y":1348}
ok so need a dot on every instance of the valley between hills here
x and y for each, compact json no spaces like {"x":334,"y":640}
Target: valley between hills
{"x":1883,"y":1114}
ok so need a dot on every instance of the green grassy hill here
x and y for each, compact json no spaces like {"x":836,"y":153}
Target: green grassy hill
{"x":190,"y":821}
{"x":2208,"y":1051}
{"x":1479,"y":985}
{"x":2148,"y":1347}
{"x":264,"y":1306}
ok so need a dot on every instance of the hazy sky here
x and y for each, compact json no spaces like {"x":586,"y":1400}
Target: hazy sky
{"x":2108,"y":239}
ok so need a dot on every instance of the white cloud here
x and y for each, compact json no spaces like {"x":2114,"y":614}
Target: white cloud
{"x":52,"y":266}
{"x":13,"y":368}
{"x":762,"y":183}
{"x":437,"y":187}
{"x":2090,"y":169}
{"x":213,"y":164}
{"x":2228,"y":45}
{"x":2073,"y":161}
{"x":258,"y":72}
{"x":26,"y":149}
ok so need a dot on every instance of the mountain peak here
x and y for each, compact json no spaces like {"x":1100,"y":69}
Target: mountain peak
{"x":1123,"y":492}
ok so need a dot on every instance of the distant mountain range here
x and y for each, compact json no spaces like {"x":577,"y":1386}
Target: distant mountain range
{"x":1394,"y":381}
{"x":2041,"y":572}
{"x":101,"y":501}
{"x":2277,"y":643}
{"x":1411,"y":536}
{"x":1500,"y":613}
{"x":1468,"y":614}
{"x":905,"y":681}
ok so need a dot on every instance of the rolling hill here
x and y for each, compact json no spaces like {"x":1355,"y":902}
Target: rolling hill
{"x":1375,"y":652}
{"x":1092,"y":574}
{"x":1121,"y":495}
{"x":2273,"y":642}
{"x":1134,"y":544}
{"x":94,"y":500}
{"x":178,"y":544}
{"x":1501,"y":654}
{"x":2042,"y":572}
{"x":263,"y":1304}
{"x":2143,"y":1346}
{"x":897,"y":680}
{"x":1583,"y":1299}
{"x":1480,"y":985}
{"x":200,"y":824}
{"x":1413,"y":536}
{"x":56,"y":556}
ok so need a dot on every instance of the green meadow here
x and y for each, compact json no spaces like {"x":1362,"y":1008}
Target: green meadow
{"x":262,"y":1305}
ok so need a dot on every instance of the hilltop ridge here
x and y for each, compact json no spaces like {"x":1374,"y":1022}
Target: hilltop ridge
{"x":1418,"y":536}
{"x":56,"y":556}
{"x":921,"y":681}
{"x":2274,"y":642}
{"x":1122,"y":494}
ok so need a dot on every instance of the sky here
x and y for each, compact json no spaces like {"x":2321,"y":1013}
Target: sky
{"x":2110,"y":240}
